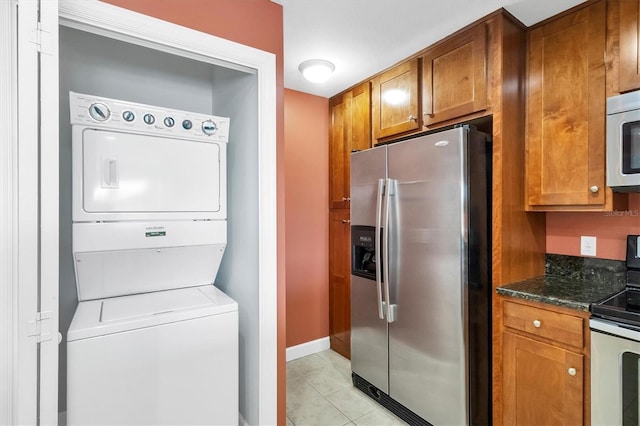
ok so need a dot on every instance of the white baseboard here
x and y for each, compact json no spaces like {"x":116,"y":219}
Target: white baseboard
{"x":308,"y":348}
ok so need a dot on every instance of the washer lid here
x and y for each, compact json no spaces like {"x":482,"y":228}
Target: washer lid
{"x":119,"y":314}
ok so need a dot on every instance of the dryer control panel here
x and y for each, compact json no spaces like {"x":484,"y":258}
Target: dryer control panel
{"x":89,"y":110}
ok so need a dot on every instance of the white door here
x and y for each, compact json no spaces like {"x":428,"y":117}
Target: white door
{"x":29,"y":213}
{"x":127,"y":174}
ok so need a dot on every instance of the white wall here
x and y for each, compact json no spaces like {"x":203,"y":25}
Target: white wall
{"x":101,"y":66}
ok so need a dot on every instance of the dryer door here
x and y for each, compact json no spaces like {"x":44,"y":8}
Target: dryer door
{"x":127,"y":176}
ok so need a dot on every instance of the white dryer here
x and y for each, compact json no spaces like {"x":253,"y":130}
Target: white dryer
{"x":152,"y":340}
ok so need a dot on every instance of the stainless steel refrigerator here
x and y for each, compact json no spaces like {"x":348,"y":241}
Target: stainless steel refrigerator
{"x":421,"y":276}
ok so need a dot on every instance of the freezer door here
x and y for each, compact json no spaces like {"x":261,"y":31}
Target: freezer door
{"x":369,"y":347}
{"x":427,"y":339}
{"x":369,"y":344}
{"x":367,"y":167}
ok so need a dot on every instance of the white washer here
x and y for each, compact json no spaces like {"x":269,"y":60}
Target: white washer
{"x":162,"y":358}
{"x":152,"y":340}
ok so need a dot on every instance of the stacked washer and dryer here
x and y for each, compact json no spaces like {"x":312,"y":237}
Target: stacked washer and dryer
{"x":152,"y":341}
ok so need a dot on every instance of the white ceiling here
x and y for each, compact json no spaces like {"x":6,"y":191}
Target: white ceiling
{"x":363,"y":37}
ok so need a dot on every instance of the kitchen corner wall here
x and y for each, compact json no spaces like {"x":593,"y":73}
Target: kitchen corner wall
{"x":610,"y":229}
{"x":256,"y":23}
{"x":306,"y":134}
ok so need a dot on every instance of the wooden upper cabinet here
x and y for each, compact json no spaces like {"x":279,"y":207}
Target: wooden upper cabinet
{"x":454,"y":77}
{"x":629,"y":32}
{"x":395,"y":106}
{"x":565,"y":137}
{"x":350,"y":130}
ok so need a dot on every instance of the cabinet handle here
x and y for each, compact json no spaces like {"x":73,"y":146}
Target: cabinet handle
{"x":344,"y":198}
{"x":537,"y":323}
{"x":412,"y":118}
{"x":594,"y":189}
{"x":348,"y":198}
{"x":346,"y":221}
{"x":572,"y":371}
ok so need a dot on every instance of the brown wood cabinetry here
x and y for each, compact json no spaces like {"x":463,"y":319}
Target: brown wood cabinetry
{"x":339,"y":282}
{"x":454,"y":77}
{"x":518,"y":237}
{"x":565,"y":148}
{"x":395,"y":106}
{"x":350,"y":130}
{"x":545,"y":365}
{"x":629,"y":46}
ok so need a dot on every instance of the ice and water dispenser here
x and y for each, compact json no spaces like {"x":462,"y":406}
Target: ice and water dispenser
{"x":363,"y":254}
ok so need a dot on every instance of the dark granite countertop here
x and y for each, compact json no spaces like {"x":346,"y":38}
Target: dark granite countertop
{"x":570,"y":281}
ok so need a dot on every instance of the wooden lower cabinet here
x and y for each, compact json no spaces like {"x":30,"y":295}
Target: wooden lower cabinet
{"x":340,"y":282}
{"x":543,"y":384}
{"x":545,"y":365}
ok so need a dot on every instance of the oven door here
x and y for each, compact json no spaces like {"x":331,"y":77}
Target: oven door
{"x":615,"y":361}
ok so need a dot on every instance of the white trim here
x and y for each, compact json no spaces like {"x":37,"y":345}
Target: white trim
{"x":8,"y":191}
{"x":308,"y":348}
{"x":101,"y":18}
{"x":49,"y":208}
{"x":27,"y":209}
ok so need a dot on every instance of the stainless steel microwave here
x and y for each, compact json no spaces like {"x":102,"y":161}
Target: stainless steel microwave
{"x":623,"y":142}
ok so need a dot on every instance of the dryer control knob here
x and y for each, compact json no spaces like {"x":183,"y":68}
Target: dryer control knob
{"x":99,"y":111}
{"x":169,"y":121}
{"x":149,"y":118}
{"x":209,"y":127}
{"x":186,"y":124}
{"x":128,"y":116}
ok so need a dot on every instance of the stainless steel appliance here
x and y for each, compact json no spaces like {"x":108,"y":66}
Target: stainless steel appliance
{"x":623,"y":142}
{"x":615,"y":350}
{"x":420,"y":283}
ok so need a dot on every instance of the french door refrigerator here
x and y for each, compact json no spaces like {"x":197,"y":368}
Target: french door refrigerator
{"x":421,"y":276}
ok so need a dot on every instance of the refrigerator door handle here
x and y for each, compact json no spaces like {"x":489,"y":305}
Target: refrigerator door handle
{"x":379,"y":247}
{"x":391,"y":309}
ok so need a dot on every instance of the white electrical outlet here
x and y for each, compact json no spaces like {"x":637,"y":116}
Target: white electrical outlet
{"x":587,"y":246}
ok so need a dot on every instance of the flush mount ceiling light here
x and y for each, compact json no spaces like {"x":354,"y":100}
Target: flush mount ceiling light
{"x":316,"y":70}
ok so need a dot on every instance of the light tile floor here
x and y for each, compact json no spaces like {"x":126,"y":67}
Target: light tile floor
{"x":320,"y":392}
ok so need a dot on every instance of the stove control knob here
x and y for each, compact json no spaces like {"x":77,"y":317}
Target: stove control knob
{"x":149,"y":119}
{"x":209,"y":127}
{"x":537,"y":323}
{"x":572,"y":371}
{"x":99,"y":111}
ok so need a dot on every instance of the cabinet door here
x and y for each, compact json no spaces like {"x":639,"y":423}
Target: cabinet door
{"x":395,"y":107}
{"x":340,"y":282}
{"x":543,"y":384}
{"x":454,"y":77}
{"x":629,"y":26}
{"x":566,"y":111}
{"x":350,"y":130}
{"x":339,"y":108}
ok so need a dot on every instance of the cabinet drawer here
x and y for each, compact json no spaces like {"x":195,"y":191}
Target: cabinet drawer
{"x":562,"y":328}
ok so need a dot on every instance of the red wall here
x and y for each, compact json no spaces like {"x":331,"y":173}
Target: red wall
{"x":610,"y":229}
{"x":306,"y":135}
{"x":256,"y":23}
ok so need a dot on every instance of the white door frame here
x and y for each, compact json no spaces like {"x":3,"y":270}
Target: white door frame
{"x":29,"y":213}
{"x":104,"y":19}
{"x":22,"y":194}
